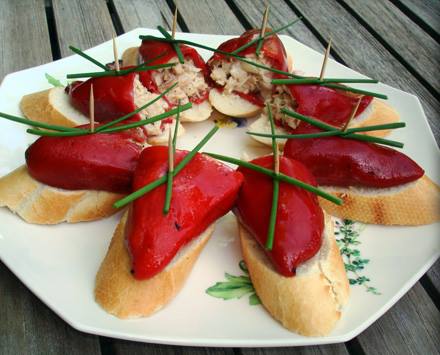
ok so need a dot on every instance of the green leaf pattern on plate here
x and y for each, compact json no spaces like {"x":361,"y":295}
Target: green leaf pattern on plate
{"x":235,"y":287}
{"x":347,"y":233}
{"x":53,"y":81}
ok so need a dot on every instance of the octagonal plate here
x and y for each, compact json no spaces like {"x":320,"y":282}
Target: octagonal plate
{"x":58,"y":263}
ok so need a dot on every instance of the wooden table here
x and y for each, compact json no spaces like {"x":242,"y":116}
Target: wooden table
{"x":396,"y":41}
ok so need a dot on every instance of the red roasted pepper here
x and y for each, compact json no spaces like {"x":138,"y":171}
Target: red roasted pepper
{"x":300,"y":220}
{"x":113,"y":95}
{"x":336,"y":161}
{"x":325,"y":104}
{"x":93,"y":162}
{"x":202,"y":192}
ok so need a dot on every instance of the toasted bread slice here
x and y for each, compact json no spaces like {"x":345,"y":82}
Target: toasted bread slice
{"x":42,"y":204}
{"x":310,"y":302}
{"x":412,"y":204}
{"x":130,"y":57}
{"x":52,"y":106}
{"x":120,"y":294}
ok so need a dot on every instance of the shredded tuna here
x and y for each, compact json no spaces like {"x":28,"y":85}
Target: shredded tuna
{"x":190,"y":79}
{"x":279,"y":100}
{"x":234,"y":75}
{"x":143,"y":96}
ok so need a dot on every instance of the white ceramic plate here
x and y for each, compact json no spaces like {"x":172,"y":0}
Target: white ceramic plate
{"x":58,"y":263}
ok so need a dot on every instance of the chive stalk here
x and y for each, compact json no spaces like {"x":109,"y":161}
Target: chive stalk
{"x":281,"y":177}
{"x":275,"y":187}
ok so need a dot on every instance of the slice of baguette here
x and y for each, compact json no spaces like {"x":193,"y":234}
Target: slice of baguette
{"x":310,"y":302}
{"x":378,"y":112}
{"x":52,"y":106}
{"x":411,"y":204}
{"x":42,"y":204}
{"x":120,"y":294}
{"x":130,"y":57}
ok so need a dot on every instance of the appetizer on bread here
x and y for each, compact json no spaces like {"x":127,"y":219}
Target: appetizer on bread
{"x":114,"y":96}
{"x":377,"y":184}
{"x":191,"y":76}
{"x":301,"y":281}
{"x":329,"y":105}
{"x":240,"y":89}
{"x":72,"y":179}
{"x":152,"y":253}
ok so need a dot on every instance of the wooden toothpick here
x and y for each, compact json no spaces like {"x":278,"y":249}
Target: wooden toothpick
{"x":173,"y":30}
{"x":276,"y":167}
{"x":264,"y":23}
{"x":92,"y":110}
{"x":115,"y":53}
{"x":353,"y":113}
{"x":324,"y":62}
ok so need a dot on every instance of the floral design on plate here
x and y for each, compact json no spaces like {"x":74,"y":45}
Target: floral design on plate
{"x":235,"y":287}
{"x":347,"y":234}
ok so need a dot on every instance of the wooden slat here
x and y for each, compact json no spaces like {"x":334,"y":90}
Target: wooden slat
{"x":415,"y":46}
{"x":143,"y":13}
{"x":427,"y":10}
{"x":336,"y":349}
{"x":124,"y":347}
{"x":209,"y":17}
{"x":24,"y":38}
{"x":411,"y":327}
{"x":83,"y":24}
{"x":28,"y":327}
{"x":362,"y":52}
{"x":279,"y":15}
{"x":434,"y":276}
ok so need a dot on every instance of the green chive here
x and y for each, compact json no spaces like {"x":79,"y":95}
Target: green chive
{"x":156,"y":118}
{"x":94,"y":61}
{"x":111,"y":129}
{"x":357,"y":91}
{"x":267,"y":34}
{"x":101,"y":74}
{"x":112,"y":123}
{"x":175,"y":45}
{"x":313,"y":80}
{"x":280,"y":177}
{"x":38,"y":124}
{"x":142,"y":191}
{"x":169,"y":190}
{"x":332,"y":133}
{"x":328,"y":127}
{"x":276,"y":186}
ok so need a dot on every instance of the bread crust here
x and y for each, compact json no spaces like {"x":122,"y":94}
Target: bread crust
{"x":412,"y":204}
{"x":120,"y":294}
{"x":130,"y":56}
{"x":308,"y":303}
{"x":42,"y":204}
{"x":39,"y":107}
